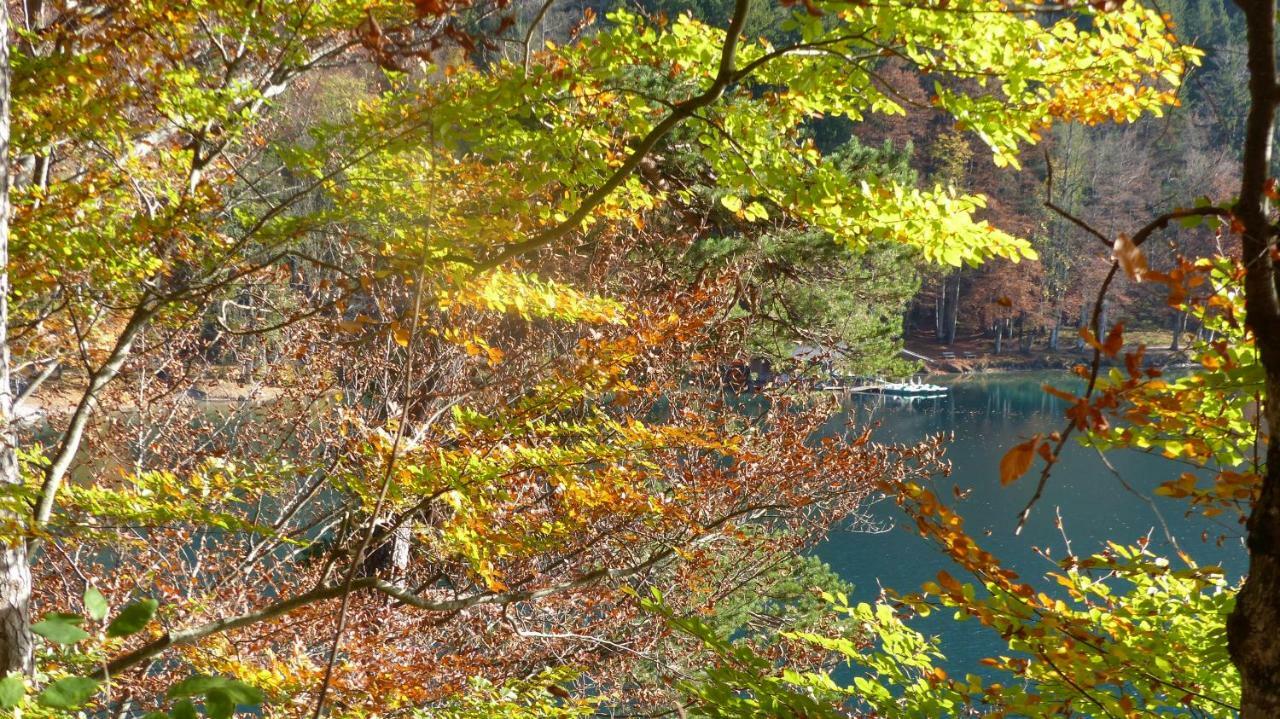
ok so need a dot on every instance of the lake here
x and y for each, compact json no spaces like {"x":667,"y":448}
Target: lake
{"x":988,"y":414}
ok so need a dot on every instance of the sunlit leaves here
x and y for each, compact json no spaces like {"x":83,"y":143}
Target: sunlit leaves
{"x":1103,"y":643}
{"x":537,"y":143}
{"x":528,"y":297}
{"x":1124,"y":64}
{"x":579,"y":459}
{"x":204,"y":495}
{"x":1206,"y":416}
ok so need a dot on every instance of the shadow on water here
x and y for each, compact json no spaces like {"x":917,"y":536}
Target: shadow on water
{"x":987,"y":414}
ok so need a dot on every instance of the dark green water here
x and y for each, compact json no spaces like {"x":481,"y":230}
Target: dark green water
{"x":987,"y":415}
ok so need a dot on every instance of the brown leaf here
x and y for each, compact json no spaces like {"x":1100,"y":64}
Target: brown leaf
{"x":1086,"y":334}
{"x":948,"y":582}
{"x":1017,"y":460}
{"x":428,"y":8}
{"x":1133,"y":362}
{"x":1130,"y":257}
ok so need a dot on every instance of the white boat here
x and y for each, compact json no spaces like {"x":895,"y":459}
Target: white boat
{"x":913,"y":388}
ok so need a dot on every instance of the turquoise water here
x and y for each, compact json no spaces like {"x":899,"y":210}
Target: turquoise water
{"x":988,"y":414}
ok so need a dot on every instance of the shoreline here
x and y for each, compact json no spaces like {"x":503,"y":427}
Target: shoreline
{"x":970,"y":362}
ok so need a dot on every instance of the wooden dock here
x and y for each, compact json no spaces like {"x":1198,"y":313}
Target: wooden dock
{"x":863,"y":389}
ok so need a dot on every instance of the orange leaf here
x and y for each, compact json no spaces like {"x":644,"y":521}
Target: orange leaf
{"x":1086,"y":334}
{"x":1114,"y":341}
{"x":1017,"y":460}
{"x":1060,"y":394}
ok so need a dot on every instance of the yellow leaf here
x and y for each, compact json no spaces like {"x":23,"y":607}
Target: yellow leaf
{"x":400,"y":333}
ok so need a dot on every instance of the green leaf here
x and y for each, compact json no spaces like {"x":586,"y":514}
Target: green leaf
{"x":133,"y":618}
{"x":203,"y":685}
{"x":67,"y":617}
{"x":68,"y":693}
{"x":95,"y":604}
{"x":60,"y":628}
{"x":183,"y":710}
{"x":219,"y":705}
{"x":1191,"y":221}
{"x":12,"y":689}
{"x":732,"y":203}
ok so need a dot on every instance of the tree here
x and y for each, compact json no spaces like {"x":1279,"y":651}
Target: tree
{"x":1204,"y":417}
{"x":1258,"y":607}
{"x":1256,"y":610}
{"x":15,"y":575}
{"x":798,"y":288}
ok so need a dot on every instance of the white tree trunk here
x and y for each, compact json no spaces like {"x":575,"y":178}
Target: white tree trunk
{"x":15,"y":573}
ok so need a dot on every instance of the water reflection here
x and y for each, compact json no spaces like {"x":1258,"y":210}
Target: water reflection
{"x":987,"y":415}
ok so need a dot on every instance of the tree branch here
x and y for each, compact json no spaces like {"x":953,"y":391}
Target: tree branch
{"x":725,"y":76}
{"x":194,"y":634}
{"x":74,"y":433}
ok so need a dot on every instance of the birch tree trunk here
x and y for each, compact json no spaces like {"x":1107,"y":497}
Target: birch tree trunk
{"x":15,"y":573}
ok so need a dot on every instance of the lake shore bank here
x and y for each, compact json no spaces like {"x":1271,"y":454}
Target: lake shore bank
{"x":976,"y":355}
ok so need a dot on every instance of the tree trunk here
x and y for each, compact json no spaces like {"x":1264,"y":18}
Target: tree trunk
{"x":1179,"y":327}
{"x":1084,"y":322}
{"x":1255,"y":623}
{"x":951,"y":311}
{"x":15,"y":573}
{"x":1053,"y":333}
{"x":939,"y":310}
